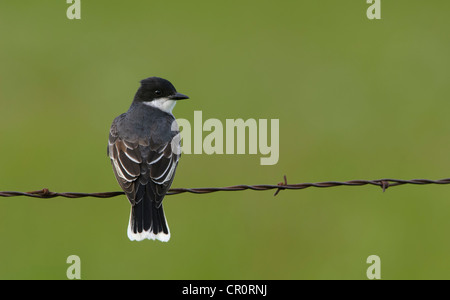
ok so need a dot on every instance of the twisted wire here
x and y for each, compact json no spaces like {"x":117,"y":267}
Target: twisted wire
{"x":383,"y":183}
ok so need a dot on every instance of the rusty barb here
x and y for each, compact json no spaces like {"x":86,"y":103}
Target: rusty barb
{"x":383,"y":183}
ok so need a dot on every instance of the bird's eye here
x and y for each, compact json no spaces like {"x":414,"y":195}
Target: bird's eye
{"x":157,"y":92}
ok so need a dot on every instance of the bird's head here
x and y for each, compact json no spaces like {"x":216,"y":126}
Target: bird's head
{"x":159,"y":93}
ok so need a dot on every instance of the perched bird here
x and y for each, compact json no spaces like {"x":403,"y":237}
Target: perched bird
{"x":144,"y":148}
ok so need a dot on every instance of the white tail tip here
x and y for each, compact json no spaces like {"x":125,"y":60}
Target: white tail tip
{"x":149,"y":234}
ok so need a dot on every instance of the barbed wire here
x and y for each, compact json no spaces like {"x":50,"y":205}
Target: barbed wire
{"x":383,"y":183}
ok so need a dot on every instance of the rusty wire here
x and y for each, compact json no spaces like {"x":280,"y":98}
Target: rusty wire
{"x":383,"y":183}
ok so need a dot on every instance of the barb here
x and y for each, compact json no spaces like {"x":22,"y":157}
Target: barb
{"x":383,"y":183}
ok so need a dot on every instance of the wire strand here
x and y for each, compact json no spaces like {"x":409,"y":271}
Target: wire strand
{"x":383,"y":183}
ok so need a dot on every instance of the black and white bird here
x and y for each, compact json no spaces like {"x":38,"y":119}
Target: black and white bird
{"x":144,"y":148}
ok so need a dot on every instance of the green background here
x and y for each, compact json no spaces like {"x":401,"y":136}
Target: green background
{"x":356,"y":99}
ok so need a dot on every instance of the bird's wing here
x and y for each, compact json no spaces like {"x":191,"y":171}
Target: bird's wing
{"x":162,"y":163}
{"x":142,"y":164}
{"x":126,"y":160}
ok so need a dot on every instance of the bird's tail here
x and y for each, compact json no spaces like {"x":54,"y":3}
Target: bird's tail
{"x":147,"y":221}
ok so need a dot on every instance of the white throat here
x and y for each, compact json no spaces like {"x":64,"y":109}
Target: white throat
{"x":164,"y":104}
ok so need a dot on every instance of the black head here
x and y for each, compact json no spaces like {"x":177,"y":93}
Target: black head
{"x":153,"y":88}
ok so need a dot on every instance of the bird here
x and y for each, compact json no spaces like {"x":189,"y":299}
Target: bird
{"x":144,"y":149}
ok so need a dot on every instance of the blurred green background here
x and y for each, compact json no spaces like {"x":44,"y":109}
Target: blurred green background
{"x":356,"y":99}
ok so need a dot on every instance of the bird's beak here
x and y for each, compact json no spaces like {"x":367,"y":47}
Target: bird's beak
{"x":178,"y":96}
